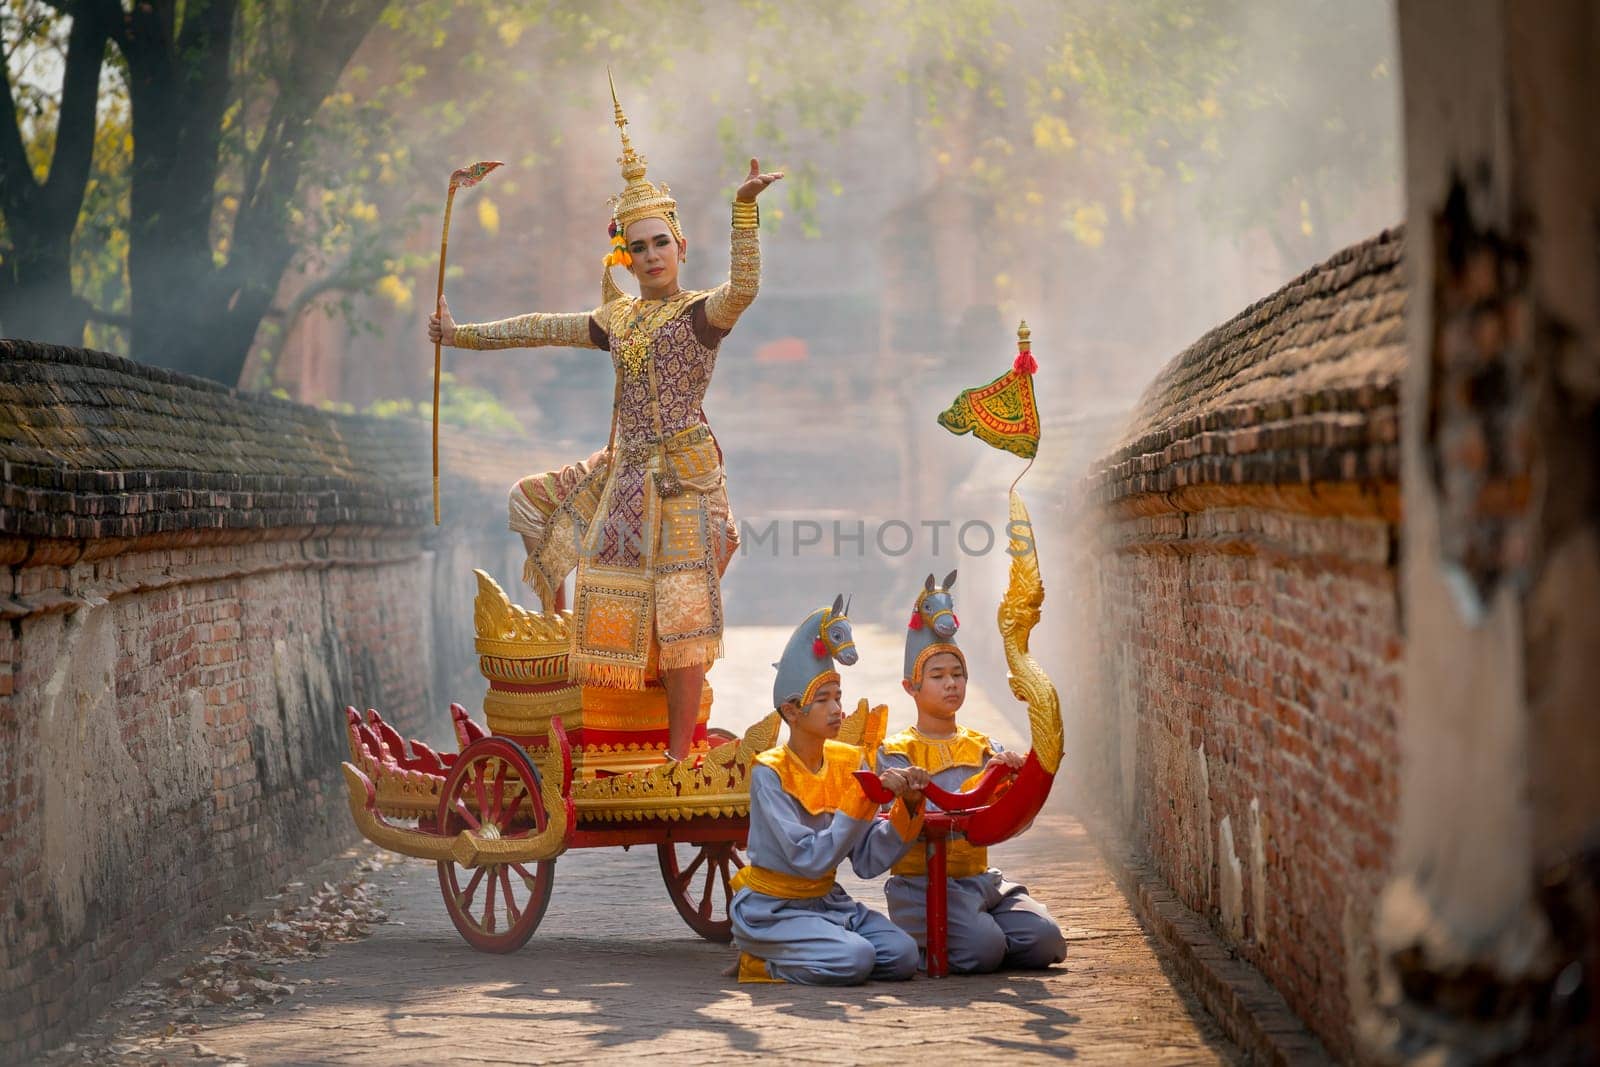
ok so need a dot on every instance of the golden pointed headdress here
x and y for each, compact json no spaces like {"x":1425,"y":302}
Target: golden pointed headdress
{"x":640,"y":198}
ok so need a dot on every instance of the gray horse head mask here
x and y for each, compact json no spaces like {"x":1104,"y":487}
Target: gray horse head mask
{"x":932,"y":628}
{"x":808,"y":659}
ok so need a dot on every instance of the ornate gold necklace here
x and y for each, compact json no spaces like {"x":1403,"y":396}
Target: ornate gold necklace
{"x":632,"y":343}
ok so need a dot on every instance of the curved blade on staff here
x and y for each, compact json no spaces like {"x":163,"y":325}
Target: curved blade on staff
{"x":464,"y":178}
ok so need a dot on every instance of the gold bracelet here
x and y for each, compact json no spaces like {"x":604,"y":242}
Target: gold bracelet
{"x":746,"y":216}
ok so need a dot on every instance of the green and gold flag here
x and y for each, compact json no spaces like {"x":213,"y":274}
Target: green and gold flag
{"x":1004,"y":412}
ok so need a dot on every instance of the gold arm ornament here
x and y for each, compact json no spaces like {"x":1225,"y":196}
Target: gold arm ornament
{"x":527,"y":331}
{"x":730,"y":299}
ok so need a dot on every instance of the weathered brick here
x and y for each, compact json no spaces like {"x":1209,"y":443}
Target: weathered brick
{"x":255,"y":791}
{"x":1236,"y":625}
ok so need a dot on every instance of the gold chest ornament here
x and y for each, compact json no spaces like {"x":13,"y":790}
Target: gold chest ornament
{"x":631,"y":345}
{"x":641,"y":321}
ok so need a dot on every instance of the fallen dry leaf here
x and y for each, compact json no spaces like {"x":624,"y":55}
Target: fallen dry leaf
{"x":154,"y":1022}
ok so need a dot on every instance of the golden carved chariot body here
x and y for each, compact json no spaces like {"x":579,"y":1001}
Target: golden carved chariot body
{"x":496,"y":815}
{"x":560,"y":766}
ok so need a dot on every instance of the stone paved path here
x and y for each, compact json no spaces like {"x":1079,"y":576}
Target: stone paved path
{"x":613,"y":973}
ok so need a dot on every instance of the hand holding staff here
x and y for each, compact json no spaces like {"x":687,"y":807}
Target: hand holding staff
{"x":441,"y":326}
{"x":464,"y":178}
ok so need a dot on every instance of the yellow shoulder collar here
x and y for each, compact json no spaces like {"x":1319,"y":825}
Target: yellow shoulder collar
{"x":823,"y":791}
{"x":968,"y":748}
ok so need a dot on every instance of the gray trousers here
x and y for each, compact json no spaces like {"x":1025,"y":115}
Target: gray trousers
{"x":992,"y":922}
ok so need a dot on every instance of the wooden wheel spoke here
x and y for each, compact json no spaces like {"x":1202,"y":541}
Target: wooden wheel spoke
{"x":513,"y":913}
{"x":688,"y":872}
{"x":705,"y":897}
{"x":478,"y":774}
{"x":461,"y":810}
{"x":488,"y":905}
{"x":511,"y":803}
{"x":465,"y":896}
{"x":727,"y":882}
{"x":497,"y":797}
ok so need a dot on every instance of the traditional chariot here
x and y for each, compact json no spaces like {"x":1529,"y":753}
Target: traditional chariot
{"x":563,"y":766}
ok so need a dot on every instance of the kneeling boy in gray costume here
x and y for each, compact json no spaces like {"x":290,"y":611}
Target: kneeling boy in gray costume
{"x":992,"y":922}
{"x":791,"y":920}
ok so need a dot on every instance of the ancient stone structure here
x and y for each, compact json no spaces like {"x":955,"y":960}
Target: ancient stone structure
{"x":1241,"y":668}
{"x":197,"y":583}
{"x":1489,"y":931}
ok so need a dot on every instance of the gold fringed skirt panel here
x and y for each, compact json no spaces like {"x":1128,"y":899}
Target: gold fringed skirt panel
{"x":649,"y":566}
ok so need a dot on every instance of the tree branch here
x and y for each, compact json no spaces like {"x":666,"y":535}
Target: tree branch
{"x":166,"y":13}
{"x":80,"y":90}
{"x":146,"y":46}
{"x":19,"y":190}
{"x":345,"y":279}
{"x":204,"y":50}
{"x":108,"y":14}
{"x":320,"y":53}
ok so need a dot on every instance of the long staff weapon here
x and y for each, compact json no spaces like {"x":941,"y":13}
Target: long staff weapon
{"x":465,"y":178}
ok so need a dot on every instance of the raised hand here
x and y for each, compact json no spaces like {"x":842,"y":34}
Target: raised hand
{"x":441,"y":327}
{"x":756,"y":182}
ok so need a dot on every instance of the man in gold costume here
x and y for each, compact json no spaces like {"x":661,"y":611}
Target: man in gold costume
{"x":646,"y":520}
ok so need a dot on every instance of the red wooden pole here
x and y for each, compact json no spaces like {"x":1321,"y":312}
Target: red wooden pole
{"x":938,"y":909}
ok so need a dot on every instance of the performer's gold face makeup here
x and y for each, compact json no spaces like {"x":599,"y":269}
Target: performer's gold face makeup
{"x":656,"y":256}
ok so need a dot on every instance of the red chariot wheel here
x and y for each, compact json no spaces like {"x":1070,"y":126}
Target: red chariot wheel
{"x":700,"y":880}
{"x":493,"y":789}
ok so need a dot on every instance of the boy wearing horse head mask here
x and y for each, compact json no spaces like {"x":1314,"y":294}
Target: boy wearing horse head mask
{"x":991,"y":922}
{"x":791,"y":920}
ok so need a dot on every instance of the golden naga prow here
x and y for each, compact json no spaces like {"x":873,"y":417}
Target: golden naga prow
{"x":1018,"y":615}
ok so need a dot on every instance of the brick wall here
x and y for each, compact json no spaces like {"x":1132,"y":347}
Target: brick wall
{"x":1239,"y":692}
{"x":197,"y":583}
